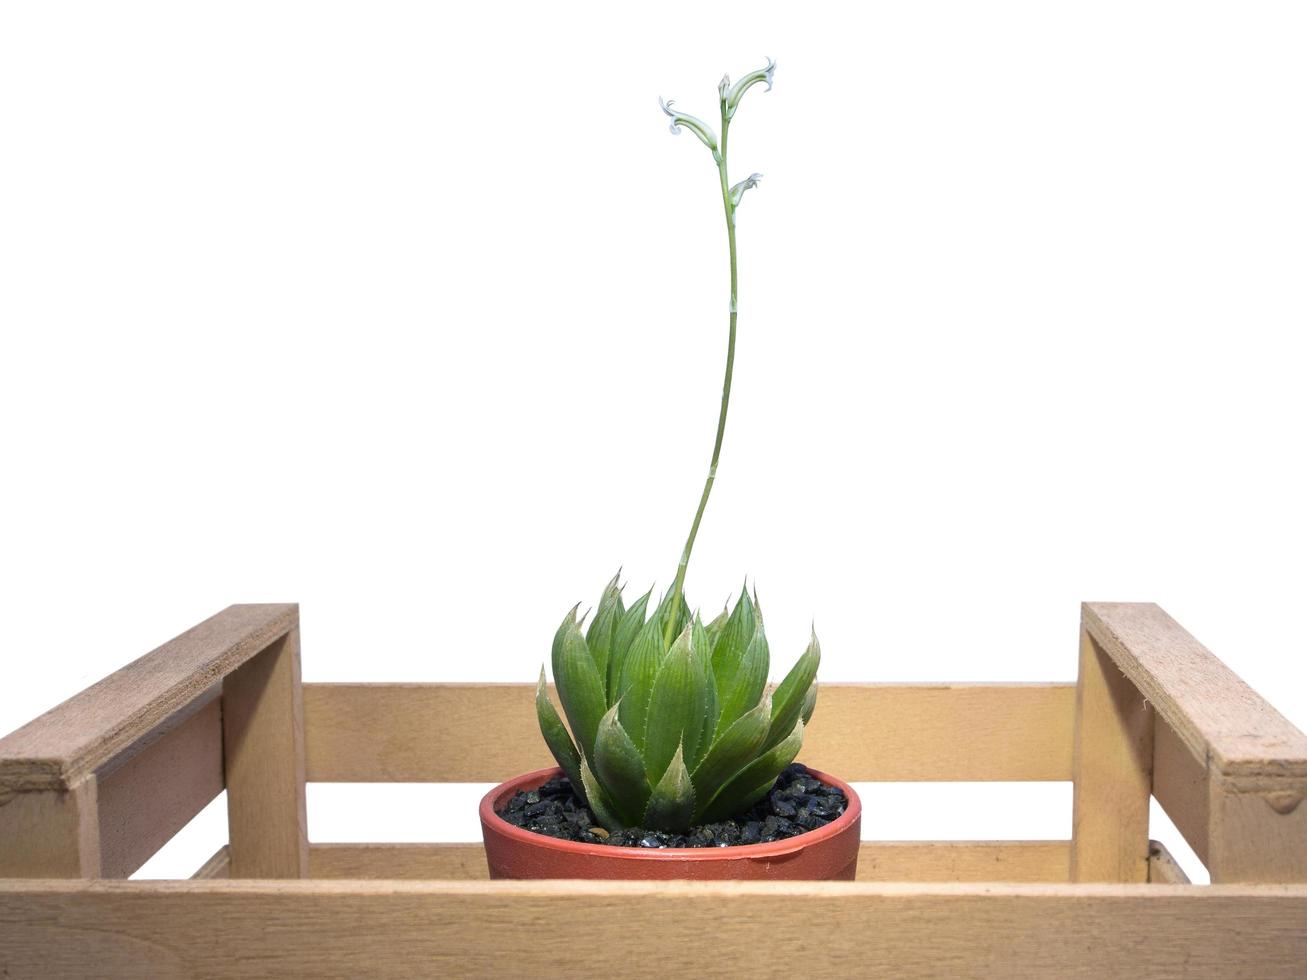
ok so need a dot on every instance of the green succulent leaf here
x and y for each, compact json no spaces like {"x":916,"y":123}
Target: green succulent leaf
{"x":556,"y":737}
{"x":666,"y":732}
{"x":732,"y":644}
{"x":671,"y":805}
{"x":715,"y":628}
{"x":699,"y":642}
{"x":557,"y":651}
{"x":639,"y":669}
{"x":595,"y":798}
{"x":755,"y":780}
{"x":734,"y":750}
{"x":677,"y":705}
{"x":620,"y":769}
{"x":679,"y":616}
{"x":788,"y":700}
{"x":749,"y":682}
{"x":624,"y":634}
{"x":599,"y":637}
{"x":701,"y":652}
{"x":809,"y":703}
{"x":579,"y":687}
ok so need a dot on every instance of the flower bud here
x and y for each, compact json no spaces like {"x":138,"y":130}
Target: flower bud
{"x":738,"y":190}
{"x":697,"y":126}
{"x":736,"y":93}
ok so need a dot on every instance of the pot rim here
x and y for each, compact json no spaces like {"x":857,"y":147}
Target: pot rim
{"x":491,"y":820}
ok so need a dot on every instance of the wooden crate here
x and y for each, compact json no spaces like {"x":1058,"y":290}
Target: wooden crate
{"x":89,"y":790}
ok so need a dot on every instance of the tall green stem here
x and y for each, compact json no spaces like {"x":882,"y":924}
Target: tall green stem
{"x":679,"y":586}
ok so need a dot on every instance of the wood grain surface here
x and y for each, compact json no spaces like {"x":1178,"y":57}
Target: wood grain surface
{"x":488,"y":732}
{"x":1229,"y":769}
{"x":1112,"y":773}
{"x":84,"y":733}
{"x":218,"y":928}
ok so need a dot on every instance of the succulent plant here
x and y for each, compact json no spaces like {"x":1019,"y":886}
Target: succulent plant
{"x":668,"y":736}
{"x":671,"y":722}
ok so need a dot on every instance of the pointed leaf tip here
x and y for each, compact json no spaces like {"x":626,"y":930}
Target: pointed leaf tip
{"x":556,"y":736}
{"x":756,"y":779}
{"x":677,"y":704}
{"x":580,"y":687}
{"x":789,"y":696}
{"x":671,"y":805}
{"x":618,"y":765}
{"x":597,"y":800}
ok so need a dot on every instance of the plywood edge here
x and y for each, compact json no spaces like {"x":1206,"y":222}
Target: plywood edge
{"x":17,"y":888}
{"x":84,"y":733}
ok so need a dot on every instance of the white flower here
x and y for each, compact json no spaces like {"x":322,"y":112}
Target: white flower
{"x":697,"y":126}
{"x":737,"y":91}
{"x":738,"y":190}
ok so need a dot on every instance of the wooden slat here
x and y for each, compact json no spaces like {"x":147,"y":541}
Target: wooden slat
{"x":964,"y":861}
{"x":263,"y":742}
{"x":488,"y":733}
{"x":920,"y":861}
{"x":957,"y":861}
{"x":154,"y":788}
{"x":464,"y":862}
{"x":648,"y":929}
{"x":86,"y":731}
{"x":218,"y":866}
{"x":1162,"y":867}
{"x":1112,"y":773}
{"x":947,"y":732}
{"x":1255,"y":761}
{"x":1180,"y":785}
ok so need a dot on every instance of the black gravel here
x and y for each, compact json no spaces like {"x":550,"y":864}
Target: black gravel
{"x":797,"y":803}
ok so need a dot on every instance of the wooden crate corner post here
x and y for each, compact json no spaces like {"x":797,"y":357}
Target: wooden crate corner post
{"x":50,"y":833}
{"x":263,"y":746}
{"x":1112,"y":772}
{"x":1229,"y":769}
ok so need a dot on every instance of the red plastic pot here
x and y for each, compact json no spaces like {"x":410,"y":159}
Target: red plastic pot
{"x":829,"y":853}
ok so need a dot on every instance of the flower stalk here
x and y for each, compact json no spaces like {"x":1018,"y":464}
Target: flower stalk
{"x":728,"y":98}
{"x":669,"y":720}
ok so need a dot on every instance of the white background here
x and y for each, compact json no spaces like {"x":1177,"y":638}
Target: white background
{"x":414,"y":314}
